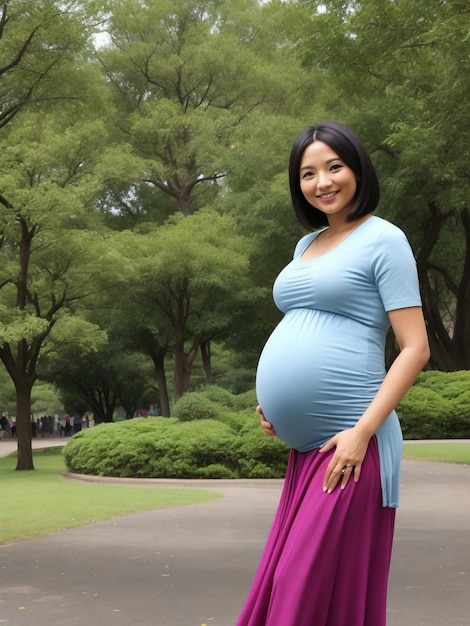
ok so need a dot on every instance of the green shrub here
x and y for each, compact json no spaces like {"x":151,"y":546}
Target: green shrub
{"x":247,"y":400}
{"x":168,"y":448}
{"x":155,"y":448}
{"x":217,"y":470}
{"x":221,"y":397}
{"x":260,"y":456}
{"x":447,"y":384}
{"x":215,"y":434}
{"x":420,"y":414}
{"x":458,"y":420}
{"x":209,"y":400}
{"x":437,"y":406}
{"x":195,"y":406}
{"x":237,"y":421}
{"x":108,"y":449}
{"x":213,"y":402}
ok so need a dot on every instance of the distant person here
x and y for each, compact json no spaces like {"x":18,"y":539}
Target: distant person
{"x":322,"y":388}
{"x":77,"y":424}
{"x":4,"y":427}
{"x":68,"y":425}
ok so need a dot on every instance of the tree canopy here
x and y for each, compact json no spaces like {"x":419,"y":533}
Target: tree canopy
{"x":144,"y":207}
{"x":401,"y":75}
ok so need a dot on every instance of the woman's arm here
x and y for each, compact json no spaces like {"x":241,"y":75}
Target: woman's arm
{"x":351,"y":445}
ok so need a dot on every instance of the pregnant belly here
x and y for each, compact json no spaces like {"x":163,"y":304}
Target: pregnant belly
{"x":317,"y":374}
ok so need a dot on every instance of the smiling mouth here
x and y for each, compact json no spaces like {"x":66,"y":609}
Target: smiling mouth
{"x":327,"y":196}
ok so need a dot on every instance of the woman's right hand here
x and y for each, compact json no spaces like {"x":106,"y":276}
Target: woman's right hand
{"x":265,"y":425}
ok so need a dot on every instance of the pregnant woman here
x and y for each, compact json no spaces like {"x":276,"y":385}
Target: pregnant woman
{"x":322,"y":388}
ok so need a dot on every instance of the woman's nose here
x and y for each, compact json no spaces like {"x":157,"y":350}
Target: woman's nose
{"x":323,"y":179}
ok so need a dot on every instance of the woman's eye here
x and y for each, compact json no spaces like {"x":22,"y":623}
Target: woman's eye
{"x":336,"y":166}
{"x":307,"y":174}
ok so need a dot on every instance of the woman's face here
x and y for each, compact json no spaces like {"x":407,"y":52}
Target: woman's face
{"x":327,"y":183}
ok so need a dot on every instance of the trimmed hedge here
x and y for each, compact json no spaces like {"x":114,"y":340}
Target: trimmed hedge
{"x":437,"y":406}
{"x":215,"y":434}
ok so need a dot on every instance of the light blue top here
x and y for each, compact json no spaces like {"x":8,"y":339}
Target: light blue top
{"x":324,"y":362}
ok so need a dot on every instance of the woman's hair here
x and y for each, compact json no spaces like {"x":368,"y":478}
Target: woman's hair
{"x":350,"y":149}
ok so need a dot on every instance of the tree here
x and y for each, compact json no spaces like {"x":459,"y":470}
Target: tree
{"x":119,"y":373}
{"x":193,"y":274}
{"x":40,"y":42}
{"x":102,"y":380}
{"x":185,"y":76}
{"x":401,"y":77}
{"x":144,"y":329}
{"x":40,"y":45}
{"x":48,"y":255}
{"x":192,"y":82}
{"x":195,"y":85}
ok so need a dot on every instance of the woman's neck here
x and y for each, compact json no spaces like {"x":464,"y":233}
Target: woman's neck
{"x":338,"y":227}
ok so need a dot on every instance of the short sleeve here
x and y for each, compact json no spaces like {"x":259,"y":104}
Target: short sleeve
{"x":395,"y":271}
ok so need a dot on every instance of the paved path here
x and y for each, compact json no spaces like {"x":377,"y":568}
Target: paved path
{"x":193,"y":565}
{"x":8,"y":446}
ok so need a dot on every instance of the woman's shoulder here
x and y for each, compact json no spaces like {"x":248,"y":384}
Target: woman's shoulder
{"x":382,"y":227}
{"x":388,"y":247}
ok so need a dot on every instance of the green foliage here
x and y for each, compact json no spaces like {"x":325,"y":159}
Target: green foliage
{"x":198,"y":278}
{"x":45,"y":400}
{"x":100,"y":380}
{"x":260,"y":456}
{"x":192,"y":108}
{"x":207,"y":403}
{"x":151,"y":448}
{"x":19,"y":325}
{"x":401,"y":76}
{"x":194,"y":406}
{"x":217,"y":434}
{"x":212,"y":402}
{"x":41,"y":42}
{"x":421,"y":412}
{"x":7,"y":392}
{"x":437,"y":406}
{"x":187,"y":77}
{"x":222,"y":397}
{"x":208,"y":441}
{"x":216,"y":470}
{"x":248,"y":399}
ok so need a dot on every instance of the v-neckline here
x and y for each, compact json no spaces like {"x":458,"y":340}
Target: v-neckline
{"x":338,"y":245}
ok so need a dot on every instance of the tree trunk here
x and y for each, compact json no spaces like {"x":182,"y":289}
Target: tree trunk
{"x":23,"y":425}
{"x":159,"y":363}
{"x":183,"y":365}
{"x":462,"y":317}
{"x":207,"y":358}
{"x":448,"y":349}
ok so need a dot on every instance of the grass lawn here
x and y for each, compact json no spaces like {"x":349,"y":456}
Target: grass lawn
{"x":447,"y":452}
{"x":42,"y":501}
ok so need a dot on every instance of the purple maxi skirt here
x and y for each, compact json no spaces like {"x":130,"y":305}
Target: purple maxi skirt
{"x":327,"y":557}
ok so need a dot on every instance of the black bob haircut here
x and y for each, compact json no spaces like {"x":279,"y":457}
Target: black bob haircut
{"x":350,"y":149}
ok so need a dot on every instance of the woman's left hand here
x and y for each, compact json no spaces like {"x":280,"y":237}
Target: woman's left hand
{"x":351,"y":447}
